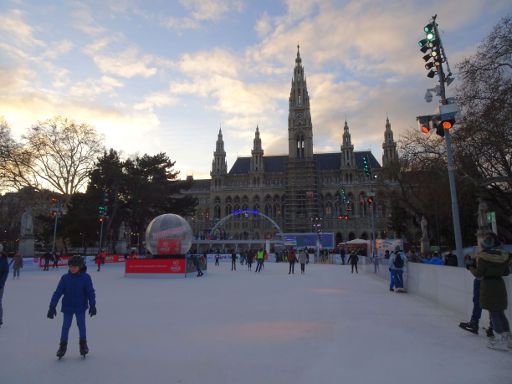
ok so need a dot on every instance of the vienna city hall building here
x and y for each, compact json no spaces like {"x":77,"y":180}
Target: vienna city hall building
{"x":299,"y":192}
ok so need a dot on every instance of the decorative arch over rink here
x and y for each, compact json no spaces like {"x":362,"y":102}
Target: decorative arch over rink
{"x":246,"y":212}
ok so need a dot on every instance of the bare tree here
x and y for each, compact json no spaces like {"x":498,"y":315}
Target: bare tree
{"x":483,"y":143}
{"x":55,"y":154}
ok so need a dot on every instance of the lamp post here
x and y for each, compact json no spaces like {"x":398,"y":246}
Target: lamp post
{"x":435,"y":58}
{"x":317,"y":227}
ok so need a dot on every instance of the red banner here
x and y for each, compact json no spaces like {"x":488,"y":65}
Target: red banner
{"x":114,"y":259}
{"x":167,"y":266}
{"x":63,"y":262}
{"x":168,"y":247}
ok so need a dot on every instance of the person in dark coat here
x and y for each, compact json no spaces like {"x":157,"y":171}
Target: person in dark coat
{"x":47,"y":257}
{"x":4,"y":273}
{"x":17,"y":264}
{"x":233,"y":260}
{"x":292,"y":259}
{"x":195,"y":261}
{"x":492,"y":263}
{"x":77,"y":292}
{"x":353,"y":259}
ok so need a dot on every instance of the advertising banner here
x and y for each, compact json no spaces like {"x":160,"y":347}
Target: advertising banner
{"x":168,"y":246}
{"x":110,"y":259}
{"x":163,"y":266}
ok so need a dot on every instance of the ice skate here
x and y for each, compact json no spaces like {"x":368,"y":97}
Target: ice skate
{"x":500,"y":342}
{"x":84,"y":349}
{"x":470,"y":327}
{"x":63,"y":346}
{"x":489,"y":332}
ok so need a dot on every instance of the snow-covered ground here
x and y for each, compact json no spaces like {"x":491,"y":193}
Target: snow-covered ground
{"x":327,"y":326}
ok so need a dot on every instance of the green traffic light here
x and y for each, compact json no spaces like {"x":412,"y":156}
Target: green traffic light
{"x":428,"y":28}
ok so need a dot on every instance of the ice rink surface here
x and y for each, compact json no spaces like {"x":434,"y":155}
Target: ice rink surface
{"x":327,"y":326}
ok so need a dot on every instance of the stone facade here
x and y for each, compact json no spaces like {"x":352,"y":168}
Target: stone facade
{"x":301,"y":191}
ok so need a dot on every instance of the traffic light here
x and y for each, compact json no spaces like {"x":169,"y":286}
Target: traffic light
{"x":424,"y":123}
{"x":370,"y":200}
{"x":430,"y":46}
{"x":102,"y":210}
{"x":366,"y":166}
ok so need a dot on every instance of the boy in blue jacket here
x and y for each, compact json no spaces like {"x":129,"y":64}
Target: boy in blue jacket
{"x":78,"y":295}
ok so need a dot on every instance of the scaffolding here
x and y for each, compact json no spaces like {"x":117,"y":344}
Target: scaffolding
{"x":301,"y":203}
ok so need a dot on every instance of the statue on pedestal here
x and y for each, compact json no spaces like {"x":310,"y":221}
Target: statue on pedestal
{"x":425,"y":243}
{"x":482,"y":214}
{"x":26,"y":244}
{"x":27,"y":224}
{"x":424,"y":228}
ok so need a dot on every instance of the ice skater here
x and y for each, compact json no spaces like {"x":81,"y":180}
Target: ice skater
{"x":17,"y":264}
{"x":260,"y":256}
{"x":292,"y":259}
{"x":303,"y":258}
{"x":396,"y":264}
{"x":353,"y":259}
{"x":233,"y":260}
{"x":78,"y":294}
{"x":492,"y":263}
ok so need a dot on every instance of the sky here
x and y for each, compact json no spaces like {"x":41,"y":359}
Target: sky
{"x":164,"y":76}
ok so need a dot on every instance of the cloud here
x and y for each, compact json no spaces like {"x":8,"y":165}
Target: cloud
{"x":200,"y":11}
{"x":92,"y":88}
{"x":84,"y":21}
{"x":13,"y":24}
{"x":155,"y":100}
{"x":128,"y":63}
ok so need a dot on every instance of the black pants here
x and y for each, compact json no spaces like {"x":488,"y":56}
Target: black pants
{"x":499,"y":321}
{"x":259,"y":264}
{"x":302,"y":268}
{"x":291,"y":269}
{"x":233,"y":265}
{"x":354,"y":265}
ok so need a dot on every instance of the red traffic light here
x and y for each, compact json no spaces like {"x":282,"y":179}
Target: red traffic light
{"x":370,"y":200}
{"x":447,"y":124}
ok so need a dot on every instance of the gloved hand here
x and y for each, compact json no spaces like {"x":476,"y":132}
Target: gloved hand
{"x":92,"y":310}
{"x":52,"y":312}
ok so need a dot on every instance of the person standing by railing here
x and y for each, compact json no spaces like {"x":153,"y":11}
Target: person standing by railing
{"x":492,"y":263}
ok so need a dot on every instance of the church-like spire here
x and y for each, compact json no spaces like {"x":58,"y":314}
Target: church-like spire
{"x":257,"y":153}
{"x":300,"y":128}
{"x":390,"y":153}
{"x":347,"y":149}
{"x":219,"y":165}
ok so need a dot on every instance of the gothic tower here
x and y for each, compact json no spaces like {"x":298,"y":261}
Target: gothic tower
{"x":301,"y":203}
{"x":256,"y":167}
{"x":348,"y":160}
{"x":390,"y":154}
{"x":219,"y":165}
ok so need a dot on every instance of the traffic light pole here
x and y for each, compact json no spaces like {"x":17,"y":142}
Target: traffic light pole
{"x":451,"y":169}
{"x":101,"y":234}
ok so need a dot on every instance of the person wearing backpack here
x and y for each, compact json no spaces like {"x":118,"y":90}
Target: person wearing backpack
{"x":397,"y":262}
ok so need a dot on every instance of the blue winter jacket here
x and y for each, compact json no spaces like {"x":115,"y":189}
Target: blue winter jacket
{"x":77,"y":290}
{"x":434,"y":261}
{"x":4,"y":271}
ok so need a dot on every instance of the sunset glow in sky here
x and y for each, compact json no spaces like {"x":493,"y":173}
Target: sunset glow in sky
{"x":162,"y":76}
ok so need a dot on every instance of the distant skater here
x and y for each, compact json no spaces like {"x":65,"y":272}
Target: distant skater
{"x":303,"y":258}
{"x":353,"y":259}
{"x":233,"y":260}
{"x":291,"y":261}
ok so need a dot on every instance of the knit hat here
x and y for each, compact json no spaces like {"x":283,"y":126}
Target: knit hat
{"x":490,"y":241}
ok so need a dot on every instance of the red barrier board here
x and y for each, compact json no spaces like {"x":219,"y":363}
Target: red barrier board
{"x":63,"y":262}
{"x":165,"y":266}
